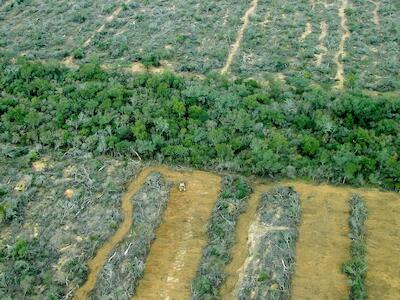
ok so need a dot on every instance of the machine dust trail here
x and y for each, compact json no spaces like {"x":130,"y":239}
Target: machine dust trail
{"x":175,"y":254}
{"x":340,"y":54}
{"x":383,"y":244}
{"x":235,"y":47}
{"x":321,"y":46}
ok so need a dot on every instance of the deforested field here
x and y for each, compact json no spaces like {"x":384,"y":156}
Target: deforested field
{"x":199,"y":149}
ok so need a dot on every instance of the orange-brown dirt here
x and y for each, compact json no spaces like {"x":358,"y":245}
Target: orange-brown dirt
{"x":176,"y":252}
{"x":322,"y":247}
{"x":323,"y":244}
{"x":383,"y":245}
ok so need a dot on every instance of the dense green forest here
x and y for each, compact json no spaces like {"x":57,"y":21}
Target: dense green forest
{"x":271,"y":129}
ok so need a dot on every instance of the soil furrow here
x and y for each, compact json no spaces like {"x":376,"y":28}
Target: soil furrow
{"x":340,"y":54}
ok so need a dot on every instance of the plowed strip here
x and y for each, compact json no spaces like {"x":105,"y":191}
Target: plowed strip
{"x":235,"y":47}
{"x":323,"y":244}
{"x":383,"y":245}
{"x":175,"y":254}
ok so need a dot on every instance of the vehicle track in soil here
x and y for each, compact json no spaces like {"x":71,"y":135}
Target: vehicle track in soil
{"x":341,"y":53}
{"x":235,"y":47}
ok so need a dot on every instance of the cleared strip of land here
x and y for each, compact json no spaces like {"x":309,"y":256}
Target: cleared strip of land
{"x":383,"y":245}
{"x":323,"y":244}
{"x":176,"y":252}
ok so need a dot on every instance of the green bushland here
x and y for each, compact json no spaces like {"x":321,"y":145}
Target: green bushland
{"x":221,"y":234}
{"x":356,"y":268}
{"x":269,"y":271}
{"x":295,"y":130}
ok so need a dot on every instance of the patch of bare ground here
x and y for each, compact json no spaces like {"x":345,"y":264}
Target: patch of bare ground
{"x":340,"y":54}
{"x":175,"y":254}
{"x":235,"y":47}
{"x":307,"y":32}
{"x":321,"y":47}
{"x":383,"y":244}
{"x":323,"y":244}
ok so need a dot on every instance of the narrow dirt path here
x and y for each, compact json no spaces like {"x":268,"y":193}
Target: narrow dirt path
{"x":323,"y":244}
{"x":240,"y":253}
{"x":176,"y":252}
{"x":69,"y":61}
{"x":96,"y":264}
{"x":321,"y":46}
{"x":383,"y":245}
{"x":340,"y":54}
{"x":307,"y":32}
{"x":235,"y":47}
{"x":375,"y":12}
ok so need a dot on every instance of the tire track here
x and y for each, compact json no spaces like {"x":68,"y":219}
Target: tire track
{"x":235,"y":47}
{"x":340,"y":54}
{"x":69,"y":61}
{"x":375,"y":12}
{"x":321,"y":46}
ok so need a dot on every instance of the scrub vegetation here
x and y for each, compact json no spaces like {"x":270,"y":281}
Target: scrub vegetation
{"x":57,"y":210}
{"x":272,"y":240}
{"x":356,"y":268}
{"x":125,"y":265}
{"x":241,"y":126}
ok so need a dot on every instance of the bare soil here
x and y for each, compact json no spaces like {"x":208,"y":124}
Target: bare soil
{"x":321,"y":46}
{"x":175,"y":254}
{"x":383,"y":244}
{"x":323,"y":244}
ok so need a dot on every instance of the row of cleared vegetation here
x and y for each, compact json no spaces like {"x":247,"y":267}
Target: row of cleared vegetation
{"x":296,"y":130}
{"x":356,"y":268}
{"x":221,"y":233}
{"x":272,"y":240}
{"x":126,"y":263}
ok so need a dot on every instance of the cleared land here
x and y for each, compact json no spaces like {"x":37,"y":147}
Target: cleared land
{"x":176,"y":252}
{"x":383,"y":245}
